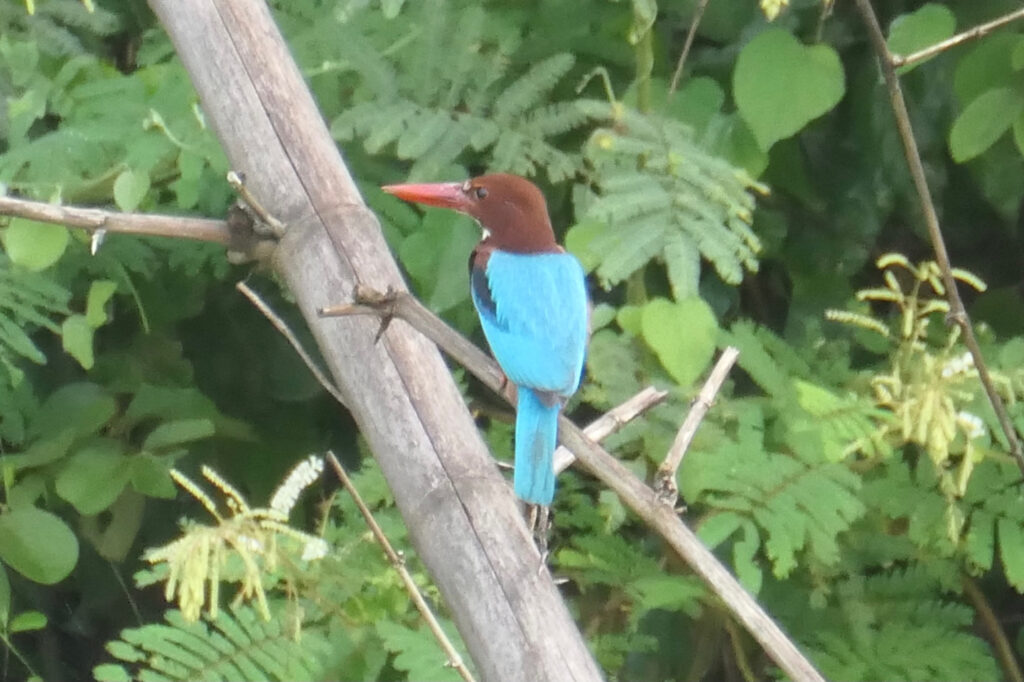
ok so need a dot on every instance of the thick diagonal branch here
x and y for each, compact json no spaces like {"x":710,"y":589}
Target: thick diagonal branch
{"x":641,"y":499}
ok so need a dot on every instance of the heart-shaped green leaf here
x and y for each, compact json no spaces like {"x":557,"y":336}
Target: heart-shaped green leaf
{"x":781,"y":85}
{"x":682,"y":334}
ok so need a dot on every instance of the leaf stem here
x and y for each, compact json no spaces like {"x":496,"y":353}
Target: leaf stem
{"x":5,"y":637}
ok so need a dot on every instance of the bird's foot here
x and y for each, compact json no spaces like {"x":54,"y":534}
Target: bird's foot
{"x":539,"y":523}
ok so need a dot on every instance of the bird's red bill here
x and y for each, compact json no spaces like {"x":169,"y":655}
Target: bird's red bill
{"x":444,"y":194}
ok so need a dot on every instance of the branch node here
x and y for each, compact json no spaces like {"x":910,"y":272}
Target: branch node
{"x":665,"y":486}
{"x":264,"y":223}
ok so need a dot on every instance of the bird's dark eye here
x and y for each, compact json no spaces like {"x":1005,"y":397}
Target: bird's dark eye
{"x":481,"y":192}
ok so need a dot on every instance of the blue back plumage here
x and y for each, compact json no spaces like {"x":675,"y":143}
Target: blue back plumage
{"x":533,"y":310}
{"x":536,"y":318}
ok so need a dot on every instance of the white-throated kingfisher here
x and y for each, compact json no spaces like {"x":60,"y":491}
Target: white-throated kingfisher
{"x":532,"y":301}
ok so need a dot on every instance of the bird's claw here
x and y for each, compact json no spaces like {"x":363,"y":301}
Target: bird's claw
{"x":539,"y":522}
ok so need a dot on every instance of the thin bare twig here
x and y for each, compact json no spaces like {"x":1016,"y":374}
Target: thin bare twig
{"x":698,"y":14}
{"x":288,"y":334}
{"x":182,"y":227}
{"x":978,"y":31}
{"x":957,"y":312}
{"x":631,"y":490}
{"x":611,"y":421}
{"x":454,"y":659}
{"x":826,"y":11}
{"x":997,"y":636}
{"x":665,"y":479}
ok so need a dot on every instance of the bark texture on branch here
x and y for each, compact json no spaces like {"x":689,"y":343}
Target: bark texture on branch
{"x":461,"y":517}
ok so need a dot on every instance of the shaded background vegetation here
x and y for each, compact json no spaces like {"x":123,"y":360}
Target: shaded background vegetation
{"x":859,"y":485}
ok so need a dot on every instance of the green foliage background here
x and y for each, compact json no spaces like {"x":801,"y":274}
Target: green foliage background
{"x":852,"y":475}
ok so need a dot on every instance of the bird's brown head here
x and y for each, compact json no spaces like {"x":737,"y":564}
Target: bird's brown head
{"x":510,"y":209}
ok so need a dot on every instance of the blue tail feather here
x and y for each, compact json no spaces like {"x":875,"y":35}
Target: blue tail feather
{"x":536,"y":436}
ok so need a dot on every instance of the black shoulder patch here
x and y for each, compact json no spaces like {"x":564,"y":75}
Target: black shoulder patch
{"x":482,"y":291}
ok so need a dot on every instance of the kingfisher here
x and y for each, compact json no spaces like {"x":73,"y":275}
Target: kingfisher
{"x":531,"y":298}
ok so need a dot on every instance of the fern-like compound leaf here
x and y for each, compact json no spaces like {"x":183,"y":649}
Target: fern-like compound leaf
{"x":459,"y":99}
{"x":238,"y":645}
{"x":654,"y":183}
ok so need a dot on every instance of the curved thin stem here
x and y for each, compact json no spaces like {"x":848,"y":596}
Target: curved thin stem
{"x":1003,"y":649}
{"x":698,"y":14}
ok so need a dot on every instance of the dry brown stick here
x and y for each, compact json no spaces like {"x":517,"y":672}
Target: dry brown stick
{"x":665,"y":479}
{"x":281,"y":326}
{"x":182,"y":227}
{"x":698,"y":14}
{"x":454,"y":659}
{"x":611,"y":421}
{"x":631,"y":490}
{"x":957,"y":312}
{"x":978,"y":31}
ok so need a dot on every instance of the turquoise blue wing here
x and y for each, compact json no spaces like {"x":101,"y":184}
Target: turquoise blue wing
{"x":533,"y":309}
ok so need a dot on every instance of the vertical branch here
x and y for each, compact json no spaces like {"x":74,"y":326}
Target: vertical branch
{"x":957,"y":312}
